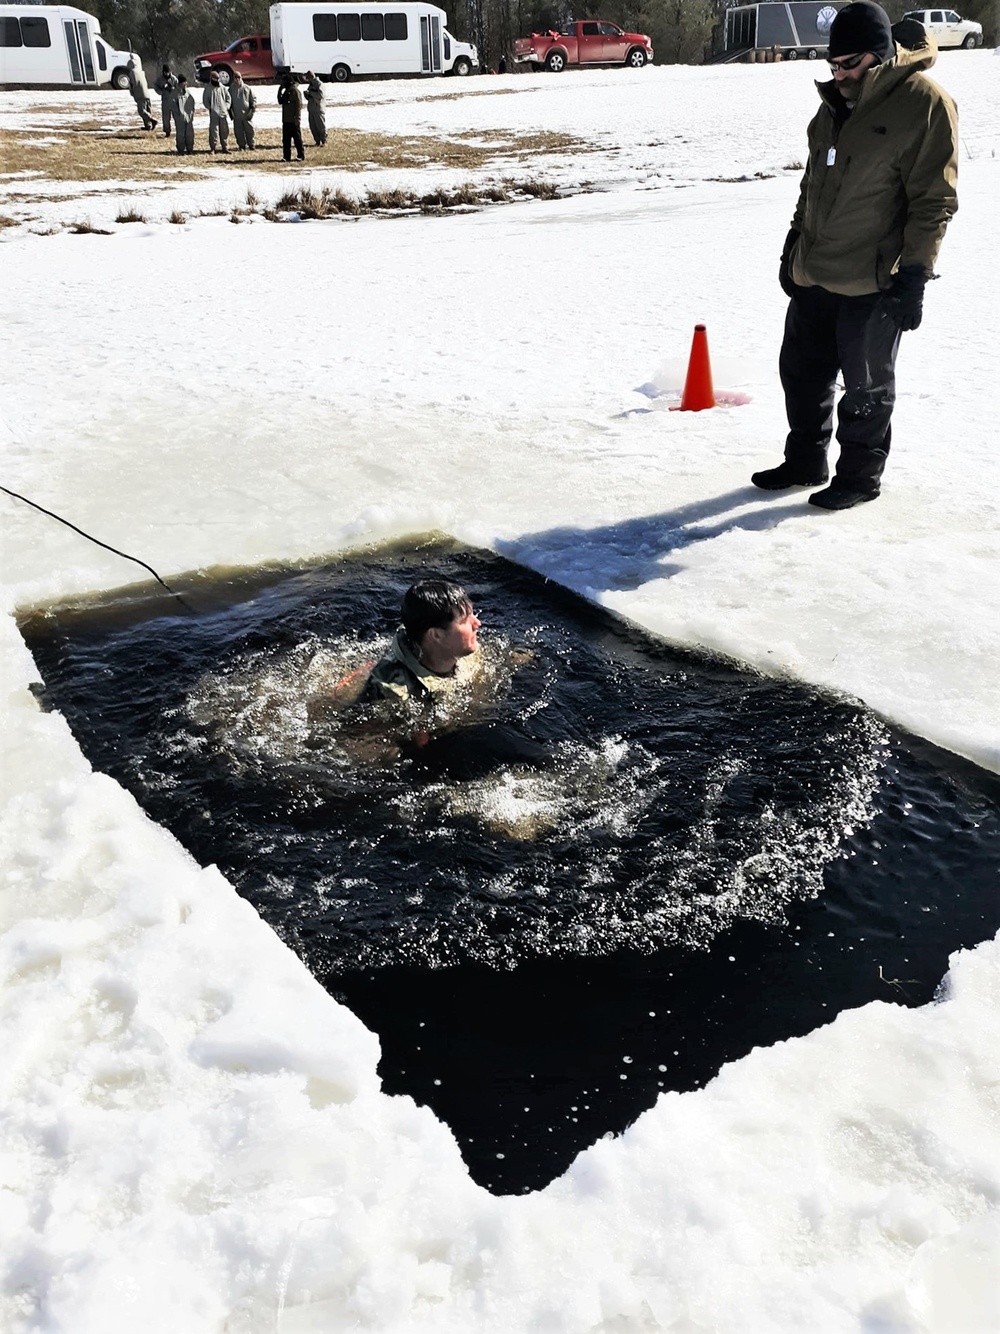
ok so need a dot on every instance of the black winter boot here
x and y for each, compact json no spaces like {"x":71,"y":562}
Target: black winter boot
{"x":784,"y":475}
{"x":841,"y":498}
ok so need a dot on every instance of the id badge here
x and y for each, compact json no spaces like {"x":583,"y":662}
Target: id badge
{"x":831,"y":156}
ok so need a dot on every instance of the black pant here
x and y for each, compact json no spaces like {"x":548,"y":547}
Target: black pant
{"x":856,"y":335}
{"x":291,"y":134}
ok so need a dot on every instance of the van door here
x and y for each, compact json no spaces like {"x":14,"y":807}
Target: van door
{"x":79,"y":50}
{"x":430,"y":44}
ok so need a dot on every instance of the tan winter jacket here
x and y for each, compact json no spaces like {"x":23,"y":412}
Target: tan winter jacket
{"x":879,"y":188}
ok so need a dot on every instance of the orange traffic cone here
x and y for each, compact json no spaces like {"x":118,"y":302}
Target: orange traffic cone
{"x":698,"y":391}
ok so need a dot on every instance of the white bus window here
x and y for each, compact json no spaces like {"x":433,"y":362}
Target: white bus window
{"x":35,"y":32}
{"x":372,"y":28}
{"x":395,"y":28}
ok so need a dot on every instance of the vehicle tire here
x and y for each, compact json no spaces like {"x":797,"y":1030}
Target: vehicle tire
{"x":636,"y":58}
{"x":340,"y":74}
{"x":120,"y":80}
{"x":792,"y":54}
{"x":225,"y":74}
{"x":970,"y":41}
{"x":812,"y":53}
{"x":555,"y":62}
{"x":462,"y":67}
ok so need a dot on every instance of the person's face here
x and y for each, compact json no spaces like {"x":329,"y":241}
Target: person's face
{"x":848,"y":75}
{"x":459,"y":639}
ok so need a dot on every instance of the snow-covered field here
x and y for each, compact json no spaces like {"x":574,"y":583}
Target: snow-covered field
{"x":194,"y":1138}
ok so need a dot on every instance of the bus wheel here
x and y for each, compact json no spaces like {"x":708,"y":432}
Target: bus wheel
{"x":462,"y":67}
{"x":120,"y":80}
{"x":340,"y":74}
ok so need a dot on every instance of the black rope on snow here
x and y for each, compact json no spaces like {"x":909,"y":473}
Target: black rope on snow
{"x":99,"y":543}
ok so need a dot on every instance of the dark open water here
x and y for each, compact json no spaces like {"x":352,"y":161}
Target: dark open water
{"x":617,"y":866}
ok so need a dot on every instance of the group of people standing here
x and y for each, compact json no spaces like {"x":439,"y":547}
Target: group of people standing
{"x":236,"y":103}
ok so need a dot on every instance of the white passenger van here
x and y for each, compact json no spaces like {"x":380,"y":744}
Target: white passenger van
{"x":56,"y":46}
{"x":339,"y":40}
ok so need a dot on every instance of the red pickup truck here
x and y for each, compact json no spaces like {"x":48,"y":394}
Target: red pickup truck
{"x":249,"y":56}
{"x":586,"y":42}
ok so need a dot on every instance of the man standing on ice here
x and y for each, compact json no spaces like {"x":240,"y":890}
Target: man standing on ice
{"x":877,"y":193}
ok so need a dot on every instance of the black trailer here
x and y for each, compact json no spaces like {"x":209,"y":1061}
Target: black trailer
{"x":800,"y":28}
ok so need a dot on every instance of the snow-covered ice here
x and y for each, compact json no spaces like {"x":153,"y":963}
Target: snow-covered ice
{"x":193,"y":1132}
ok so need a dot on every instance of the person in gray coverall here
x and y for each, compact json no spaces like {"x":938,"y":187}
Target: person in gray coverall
{"x":317,"y":115}
{"x":244,"y":105}
{"x":217,"y":100}
{"x":183,"y":110}
{"x":166,"y":86}
{"x":139,"y":89}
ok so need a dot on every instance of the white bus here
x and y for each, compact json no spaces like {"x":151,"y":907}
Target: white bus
{"x":57,"y":46}
{"x":337,"y":41}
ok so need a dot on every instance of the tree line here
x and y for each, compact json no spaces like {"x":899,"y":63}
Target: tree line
{"x":683,"y":31}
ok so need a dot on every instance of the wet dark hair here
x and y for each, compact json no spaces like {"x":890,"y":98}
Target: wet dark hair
{"x":430,"y":604}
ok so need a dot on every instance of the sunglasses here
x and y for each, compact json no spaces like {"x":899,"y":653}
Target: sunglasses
{"x":848,"y":62}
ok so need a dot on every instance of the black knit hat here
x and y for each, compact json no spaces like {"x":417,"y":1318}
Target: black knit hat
{"x":861,"y":26}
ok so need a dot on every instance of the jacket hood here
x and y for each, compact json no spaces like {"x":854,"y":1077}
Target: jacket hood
{"x":401,"y":650}
{"x":882,"y":79}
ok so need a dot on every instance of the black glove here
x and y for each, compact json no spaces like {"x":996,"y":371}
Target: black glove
{"x":906,"y":296}
{"x":785,"y":268}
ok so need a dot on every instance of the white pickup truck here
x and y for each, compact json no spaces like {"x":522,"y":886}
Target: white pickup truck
{"x":947,"y":28}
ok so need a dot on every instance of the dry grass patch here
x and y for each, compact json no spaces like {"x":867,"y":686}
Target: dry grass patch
{"x":89,"y":152}
{"x":84,"y":227}
{"x":309,"y":204}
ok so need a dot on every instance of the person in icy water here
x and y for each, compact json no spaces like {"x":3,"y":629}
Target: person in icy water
{"x":432,"y":660}
{"x":431,"y":650}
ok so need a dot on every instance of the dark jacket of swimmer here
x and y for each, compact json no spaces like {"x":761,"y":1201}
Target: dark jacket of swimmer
{"x":432,"y":649}
{"x":400,"y":675}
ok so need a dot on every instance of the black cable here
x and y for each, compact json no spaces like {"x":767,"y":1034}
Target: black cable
{"x":99,"y":543}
